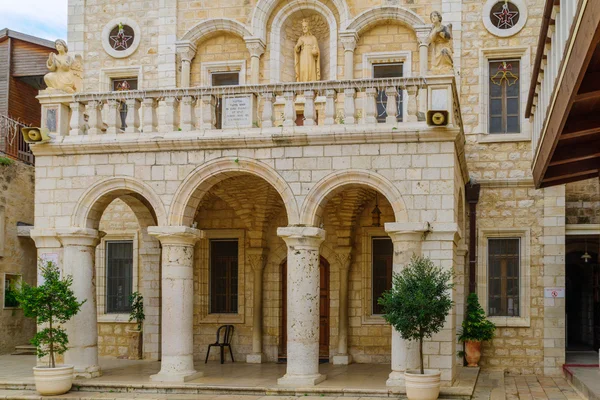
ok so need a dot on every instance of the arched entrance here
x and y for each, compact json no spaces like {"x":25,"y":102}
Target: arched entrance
{"x":323,"y":312}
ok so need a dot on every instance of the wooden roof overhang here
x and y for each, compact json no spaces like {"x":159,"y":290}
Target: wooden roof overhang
{"x":569,"y":147}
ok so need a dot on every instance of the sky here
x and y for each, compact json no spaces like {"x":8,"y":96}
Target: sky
{"x":43,"y":18}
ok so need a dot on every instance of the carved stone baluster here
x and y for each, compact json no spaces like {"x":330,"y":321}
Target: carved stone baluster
{"x":309,"y":108}
{"x":350,"y":115}
{"x":267,"y":113}
{"x":208,"y":112}
{"x":133,"y":116}
{"x":76,"y":123}
{"x":289,"y":110}
{"x":370,"y":106}
{"x":166,"y":119}
{"x":149,"y":124}
{"x":113,"y":117}
{"x":93,"y":110}
{"x":330,"y":95}
{"x":391,"y":108}
{"x":412,"y":108}
{"x":186,"y":113}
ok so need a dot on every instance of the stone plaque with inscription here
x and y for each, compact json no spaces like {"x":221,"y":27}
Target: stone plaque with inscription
{"x":239,"y":111}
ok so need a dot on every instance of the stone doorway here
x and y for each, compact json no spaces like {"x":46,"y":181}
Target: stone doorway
{"x":323,"y":312}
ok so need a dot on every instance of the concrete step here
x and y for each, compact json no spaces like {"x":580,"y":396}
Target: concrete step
{"x":24,"y":349}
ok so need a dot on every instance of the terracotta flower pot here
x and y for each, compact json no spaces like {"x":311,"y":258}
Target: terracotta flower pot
{"x":422,"y":386}
{"x":472,"y":353}
{"x":135,"y":344}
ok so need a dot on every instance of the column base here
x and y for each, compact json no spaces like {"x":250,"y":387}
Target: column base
{"x":88,"y":372}
{"x":176,"y":377}
{"x":255,"y":358}
{"x":301,"y":380}
{"x":342,"y":359}
{"x":396,"y":378}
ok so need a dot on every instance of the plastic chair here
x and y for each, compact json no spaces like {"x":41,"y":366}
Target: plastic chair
{"x":222,"y":342}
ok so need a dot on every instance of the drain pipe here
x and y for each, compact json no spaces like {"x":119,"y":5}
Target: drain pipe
{"x":472,"y":190}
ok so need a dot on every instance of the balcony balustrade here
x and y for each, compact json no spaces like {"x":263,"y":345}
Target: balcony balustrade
{"x":250,"y":108}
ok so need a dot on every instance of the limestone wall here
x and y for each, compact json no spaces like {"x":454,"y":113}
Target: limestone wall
{"x":583,"y":202}
{"x":17,"y":254}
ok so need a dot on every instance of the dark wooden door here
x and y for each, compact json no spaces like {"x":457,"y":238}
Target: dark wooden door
{"x":596,"y":304}
{"x":323,"y":311}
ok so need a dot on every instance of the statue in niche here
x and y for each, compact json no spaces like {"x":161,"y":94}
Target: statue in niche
{"x":440,"y":38}
{"x":307,"y":57}
{"x":66,"y":71}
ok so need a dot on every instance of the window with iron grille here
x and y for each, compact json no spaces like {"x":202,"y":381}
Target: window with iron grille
{"x":503,"y":277}
{"x":119,"y":276}
{"x":504,"y":93}
{"x":382,"y":250}
{"x":388,"y":70}
{"x":223,"y":79}
{"x":224,"y":276}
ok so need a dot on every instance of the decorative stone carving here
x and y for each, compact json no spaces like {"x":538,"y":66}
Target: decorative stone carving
{"x":440,"y":39}
{"x":307,"y":57}
{"x":66,"y":71}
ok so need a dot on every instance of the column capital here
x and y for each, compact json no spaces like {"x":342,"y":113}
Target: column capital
{"x":45,"y":237}
{"x":343,"y":255}
{"x":422,"y":33}
{"x":79,"y":236}
{"x":186,"y":50}
{"x":255,"y":45}
{"x":349,"y":40}
{"x":257,"y":257}
{"x":176,"y":235}
{"x":406,"y":231}
{"x":302,"y":237}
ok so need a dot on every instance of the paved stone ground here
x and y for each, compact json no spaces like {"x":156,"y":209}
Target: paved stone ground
{"x":29,"y":395}
{"x":493,"y":385}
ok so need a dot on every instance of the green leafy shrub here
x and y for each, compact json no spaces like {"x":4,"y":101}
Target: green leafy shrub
{"x":6,"y":161}
{"x":419,"y":301}
{"x":51,"y":303}
{"x":475,"y":327}
{"x":10,"y":296}
{"x":137,"y":309}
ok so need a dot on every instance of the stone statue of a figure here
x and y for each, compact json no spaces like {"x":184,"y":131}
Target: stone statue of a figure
{"x":440,"y":39}
{"x":307,"y":57}
{"x":66,"y":71}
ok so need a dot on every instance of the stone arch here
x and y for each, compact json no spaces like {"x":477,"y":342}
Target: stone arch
{"x":264,"y":8}
{"x":199,"y":181}
{"x":204,"y":29}
{"x":92,"y":203}
{"x":314,"y":204}
{"x":367,"y":19}
{"x":275,"y":36}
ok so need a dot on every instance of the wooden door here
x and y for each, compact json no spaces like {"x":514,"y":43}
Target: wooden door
{"x":323,"y":311}
{"x":596,"y":304}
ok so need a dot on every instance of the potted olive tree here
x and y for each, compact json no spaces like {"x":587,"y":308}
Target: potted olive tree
{"x":417,"y":306}
{"x":136,"y":344}
{"x":52,"y":303}
{"x":475,"y":329}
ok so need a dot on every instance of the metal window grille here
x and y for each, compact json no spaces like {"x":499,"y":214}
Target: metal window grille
{"x":504,"y":96}
{"x":224,"y":276}
{"x":382,"y":250}
{"x":119,"y":276}
{"x":503,"y":276}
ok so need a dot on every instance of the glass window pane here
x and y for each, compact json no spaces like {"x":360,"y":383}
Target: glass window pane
{"x":496,"y":107}
{"x":512,"y":107}
{"x":119,"y":276}
{"x":512,"y":125}
{"x":224,"y":276}
{"x":390,"y":70}
{"x":382,"y":256}
{"x":495,"y":125}
{"x":503,"y":276}
{"x":225,"y":78}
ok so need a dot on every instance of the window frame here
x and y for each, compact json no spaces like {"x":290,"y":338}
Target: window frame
{"x":523,"y":320}
{"x":120,"y":235}
{"x":368,"y":233}
{"x":202,"y":277}
{"x":210,"y":274}
{"x":523,"y":54}
{"x":504,"y":99}
{"x":106,"y":277}
{"x":17,"y":277}
{"x":372,"y":239}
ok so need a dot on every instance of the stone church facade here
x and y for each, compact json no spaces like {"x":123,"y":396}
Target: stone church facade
{"x":229,"y":194}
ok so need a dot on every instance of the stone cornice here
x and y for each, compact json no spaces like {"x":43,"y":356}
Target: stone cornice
{"x":247,"y":138}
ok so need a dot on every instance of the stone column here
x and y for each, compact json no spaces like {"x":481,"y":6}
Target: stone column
{"x":257,"y":258}
{"x":187,"y":52}
{"x":303,"y":286}
{"x":256,"y":47}
{"x":407,"y":238}
{"x":349,"y":40}
{"x":344,"y":258}
{"x":177,"y":361}
{"x":423,"y":38}
{"x":79,"y":255}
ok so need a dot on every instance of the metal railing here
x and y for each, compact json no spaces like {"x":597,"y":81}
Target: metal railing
{"x":11,"y":140}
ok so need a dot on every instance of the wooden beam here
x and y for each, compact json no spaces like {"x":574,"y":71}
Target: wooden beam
{"x":578,"y":134}
{"x":587,"y":96}
{"x":568,"y":180}
{"x":575,"y":169}
{"x":591,"y":81}
{"x":579,"y":152}
{"x":581,"y":125}
{"x":575,"y":67}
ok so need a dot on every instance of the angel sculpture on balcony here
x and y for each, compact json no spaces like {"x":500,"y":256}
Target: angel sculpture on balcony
{"x":307,"y":57}
{"x":66,"y":71}
{"x":440,"y":38}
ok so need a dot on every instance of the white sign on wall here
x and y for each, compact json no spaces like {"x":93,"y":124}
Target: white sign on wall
{"x":554,"y":293}
{"x":238,"y":111}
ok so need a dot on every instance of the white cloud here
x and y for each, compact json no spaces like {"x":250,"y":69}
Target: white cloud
{"x":43,"y":18}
